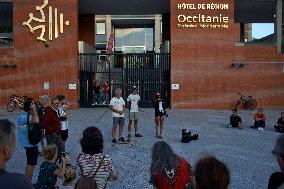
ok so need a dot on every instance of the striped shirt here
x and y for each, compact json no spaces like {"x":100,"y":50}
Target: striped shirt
{"x":89,"y":165}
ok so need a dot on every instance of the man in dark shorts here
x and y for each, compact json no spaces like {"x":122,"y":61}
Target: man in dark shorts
{"x":7,"y":147}
{"x":31,"y":150}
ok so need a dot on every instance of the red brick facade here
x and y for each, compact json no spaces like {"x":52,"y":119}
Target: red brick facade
{"x":36,"y":64}
{"x":201,"y":62}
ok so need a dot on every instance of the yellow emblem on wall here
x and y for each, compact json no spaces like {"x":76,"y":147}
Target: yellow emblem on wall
{"x":52,"y":23}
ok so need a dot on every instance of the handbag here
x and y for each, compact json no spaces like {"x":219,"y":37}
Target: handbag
{"x":88,"y":182}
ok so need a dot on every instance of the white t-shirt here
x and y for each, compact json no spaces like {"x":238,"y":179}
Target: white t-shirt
{"x":133,"y":99}
{"x":118,"y":104}
{"x":64,"y":124}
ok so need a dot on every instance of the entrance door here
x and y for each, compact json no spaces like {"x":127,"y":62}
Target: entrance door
{"x":150,"y":72}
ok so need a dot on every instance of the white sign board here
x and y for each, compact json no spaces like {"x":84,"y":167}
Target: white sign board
{"x":72,"y":86}
{"x":175,"y":86}
{"x":46,"y":85}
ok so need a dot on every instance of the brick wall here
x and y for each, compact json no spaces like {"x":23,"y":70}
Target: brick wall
{"x":201,"y":59}
{"x":37,"y":64}
{"x":87,"y":29}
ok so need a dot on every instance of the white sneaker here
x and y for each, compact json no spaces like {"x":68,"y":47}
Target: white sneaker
{"x":104,"y":102}
{"x":229,"y":126}
{"x":260,"y":129}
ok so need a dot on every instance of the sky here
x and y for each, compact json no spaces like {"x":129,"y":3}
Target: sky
{"x":262,"y":30}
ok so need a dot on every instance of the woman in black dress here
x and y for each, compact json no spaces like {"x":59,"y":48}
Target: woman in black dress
{"x":160,"y":112}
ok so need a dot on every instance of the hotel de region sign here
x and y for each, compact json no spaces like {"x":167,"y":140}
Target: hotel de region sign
{"x":55,"y":23}
{"x":197,"y":16}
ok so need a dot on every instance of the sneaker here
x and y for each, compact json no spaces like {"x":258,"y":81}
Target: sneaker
{"x":114,"y":140}
{"x":138,"y":135}
{"x":229,"y":126}
{"x":160,"y":137}
{"x":260,"y":129}
{"x":194,"y":137}
{"x":104,"y":102}
{"x":121,"y":139}
{"x":129,"y":136}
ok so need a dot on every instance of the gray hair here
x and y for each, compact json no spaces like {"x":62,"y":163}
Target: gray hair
{"x":44,"y":98}
{"x":7,"y":133}
{"x":118,"y":90}
{"x":279,"y":146}
{"x":163,"y":157}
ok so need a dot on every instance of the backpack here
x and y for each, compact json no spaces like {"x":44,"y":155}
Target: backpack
{"x":34,"y":132}
{"x":88,"y":182}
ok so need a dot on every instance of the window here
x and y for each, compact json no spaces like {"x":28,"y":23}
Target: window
{"x":101,"y":28}
{"x":6,"y":24}
{"x":258,"y":33}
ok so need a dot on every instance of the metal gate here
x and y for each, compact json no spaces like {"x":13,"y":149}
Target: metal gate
{"x":150,"y":72}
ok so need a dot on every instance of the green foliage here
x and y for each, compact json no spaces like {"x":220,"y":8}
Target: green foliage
{"x":6,"y":29}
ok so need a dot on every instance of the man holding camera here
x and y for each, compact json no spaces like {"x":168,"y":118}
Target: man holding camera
{"x":52,"y":125}
{"x":28,"y":116}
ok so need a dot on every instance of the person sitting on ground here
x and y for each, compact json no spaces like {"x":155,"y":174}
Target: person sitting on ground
{"x":69,"y":178}
{"x":276,"y":179}
{"x":92,"y":163}
{"x":259,"y":120}
{"x":7,"y":147}
{"x":49,"y":170}
{"x":280,"y":124}
{"x":235,"y":120}
{"x":211,"y":173}
{"x":168,"y":170}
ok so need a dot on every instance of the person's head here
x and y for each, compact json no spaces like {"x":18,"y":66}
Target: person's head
{"x":210,"y":173}
{"x":7,"y":139}
{"x":92,"y":141}
{"x":234,"y":111}
{"x":163,"y":157}
{"x":260,"y":111}
{"x":44,"y":100}
{"x":69,"y":175}
{"x":55,"y":103}
{"x":278,"y":151}
{"x":134,"y":90}
{"x":118,"y":92}
{"x":282,"y":114}
{"x":50,"y":152}
{"x":106,"y":82}
{"x":62,"y":99}
{"x":27,"y":105}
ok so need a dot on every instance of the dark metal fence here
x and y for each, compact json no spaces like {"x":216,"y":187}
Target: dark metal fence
{"x":150,"y":72}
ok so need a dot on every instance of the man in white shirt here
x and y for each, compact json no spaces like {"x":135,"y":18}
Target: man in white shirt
{"x":117,"y":106}
{"x":132,"y":104}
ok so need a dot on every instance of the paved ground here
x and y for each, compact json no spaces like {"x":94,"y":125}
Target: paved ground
{"x":247,"y":152}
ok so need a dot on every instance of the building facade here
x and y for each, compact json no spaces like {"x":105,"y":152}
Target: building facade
{"x":212,"y":54}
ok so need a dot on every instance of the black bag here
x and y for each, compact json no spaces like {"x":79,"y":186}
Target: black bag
{"x":34,"y":132}
{"x":186,"y":136}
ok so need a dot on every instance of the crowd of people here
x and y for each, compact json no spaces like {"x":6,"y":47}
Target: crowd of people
{"x":94,"y":169}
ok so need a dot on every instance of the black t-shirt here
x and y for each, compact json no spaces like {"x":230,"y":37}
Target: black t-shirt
{"x":275,"y":180}
{"x":280,"y":121}
{"x":97,"y":89}
{"x":235,"y":120}
{"x":14,"y":181}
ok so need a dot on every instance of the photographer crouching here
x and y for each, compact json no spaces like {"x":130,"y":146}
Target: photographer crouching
{"x":28,"y":131}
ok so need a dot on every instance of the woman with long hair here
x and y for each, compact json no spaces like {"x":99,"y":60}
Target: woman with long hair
{"x":160,"y":112}
{"x":168,"y":170}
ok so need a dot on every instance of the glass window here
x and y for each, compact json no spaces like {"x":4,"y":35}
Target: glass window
{"x":6,"y":24}
{"x":261,"y":30}
{"x":101,"y":28}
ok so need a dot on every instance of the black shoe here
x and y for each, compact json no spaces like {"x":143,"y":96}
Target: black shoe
{"x":121,"y":139}
{"x":160,"y":137}
{"x":129,"y":136}
{"x":138,"y":135}
{"x":114,"y":140}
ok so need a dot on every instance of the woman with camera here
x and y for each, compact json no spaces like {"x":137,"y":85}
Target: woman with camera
{"x":160,"y":112}
{"x":28,"y":116}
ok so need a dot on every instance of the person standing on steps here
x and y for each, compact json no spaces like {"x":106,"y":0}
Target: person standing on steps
{"x":133,"y":105}
{"x":117,"y":106}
